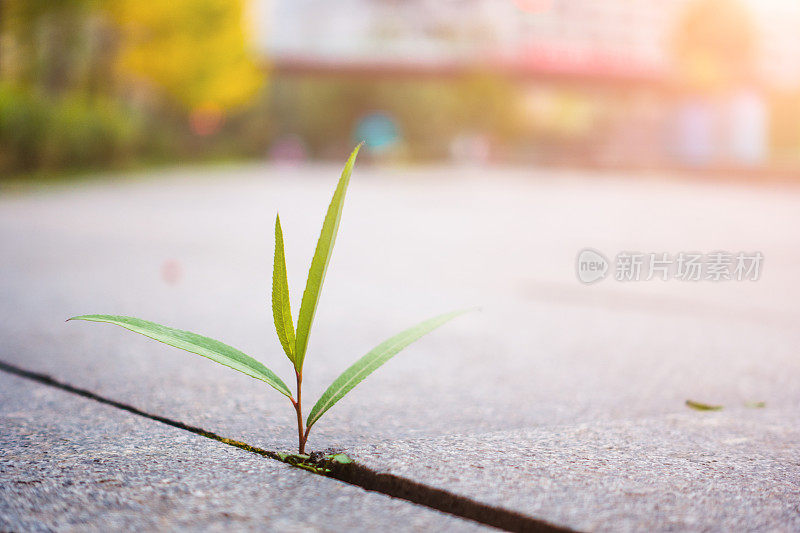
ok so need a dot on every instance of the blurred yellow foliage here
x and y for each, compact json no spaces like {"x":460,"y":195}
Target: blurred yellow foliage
{"x":196,"y":51}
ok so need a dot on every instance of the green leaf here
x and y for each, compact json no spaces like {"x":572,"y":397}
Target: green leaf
{"x":191,"y":342}
{"x":698,"y":406}
{"x":319,"y":264}
{"x":341,"y":458}
{"x":281,"y":309}
{"x":371,"y":362}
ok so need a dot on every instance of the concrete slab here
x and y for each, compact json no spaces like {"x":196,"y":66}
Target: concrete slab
{"x":722,"y":471}
{"x":544,"y":350}
{"x":68,"y":463}
{"x":544,"y":358}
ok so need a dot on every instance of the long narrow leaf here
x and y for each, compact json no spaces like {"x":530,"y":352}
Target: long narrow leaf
{"x":319,"y":264}
{"x":191,"y":342}
{"x":371,"y":362}
{"x":281,"y":309}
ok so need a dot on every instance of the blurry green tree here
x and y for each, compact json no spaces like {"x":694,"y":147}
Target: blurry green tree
{"x":89,"y":83}
{"x":430,"y":112}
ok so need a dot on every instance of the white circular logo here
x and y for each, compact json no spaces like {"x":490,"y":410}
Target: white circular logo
{"x":591,"y":266}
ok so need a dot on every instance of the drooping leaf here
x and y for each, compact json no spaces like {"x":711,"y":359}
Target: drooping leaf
{"x":191,"y":342}
{"x":281,"y":309}
{"x":699,"y":406}
{"x":371,"y":362}
{"x":319,"y":264}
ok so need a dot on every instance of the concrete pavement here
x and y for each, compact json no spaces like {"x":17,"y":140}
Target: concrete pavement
{"x":553,"y":369}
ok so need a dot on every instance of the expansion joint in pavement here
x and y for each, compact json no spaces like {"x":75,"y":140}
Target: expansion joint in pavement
{"x":351,"y":473}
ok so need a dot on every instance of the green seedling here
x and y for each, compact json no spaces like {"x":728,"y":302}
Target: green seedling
{"x":294,"y":342}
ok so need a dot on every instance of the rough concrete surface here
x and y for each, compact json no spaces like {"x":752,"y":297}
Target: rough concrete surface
{"x":67,"y":463}
{"x":735,"y":471}
{"x":544,"y":355}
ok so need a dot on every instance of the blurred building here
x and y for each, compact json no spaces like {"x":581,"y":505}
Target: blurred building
{"x":599,"y":82}
{"x":608,"y":38}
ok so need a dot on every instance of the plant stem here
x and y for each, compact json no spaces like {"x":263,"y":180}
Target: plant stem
{"x":298,"y":406}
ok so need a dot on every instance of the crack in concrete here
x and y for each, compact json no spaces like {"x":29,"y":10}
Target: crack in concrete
{"x":351,"y":473}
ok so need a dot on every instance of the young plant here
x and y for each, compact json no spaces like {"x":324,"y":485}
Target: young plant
{"x":294,"y":342}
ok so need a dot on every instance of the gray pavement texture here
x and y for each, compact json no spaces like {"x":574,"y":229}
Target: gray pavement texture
{"x":67,"y":463}
{"x":559,"y":400}
{"x":735,"y":471}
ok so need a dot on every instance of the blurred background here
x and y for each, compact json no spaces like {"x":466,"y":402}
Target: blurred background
{"x":709,"y":85}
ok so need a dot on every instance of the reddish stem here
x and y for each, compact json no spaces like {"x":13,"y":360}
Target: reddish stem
{"x":298,"y":406}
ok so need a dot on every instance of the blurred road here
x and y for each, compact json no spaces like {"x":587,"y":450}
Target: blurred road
{"x":550,"y":373}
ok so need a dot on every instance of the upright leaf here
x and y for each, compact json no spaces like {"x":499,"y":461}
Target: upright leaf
{"x":281,"y":310}
{"x":319,"y":264}
{"x":194,"y":343}
{"x":371,"y":362}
